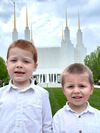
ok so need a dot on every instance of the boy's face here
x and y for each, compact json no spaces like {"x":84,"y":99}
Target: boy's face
{"x":77,"y":89}
{"x":20,"y":66}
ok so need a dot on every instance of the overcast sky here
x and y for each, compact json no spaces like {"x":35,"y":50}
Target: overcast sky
{"x":47,"y":18}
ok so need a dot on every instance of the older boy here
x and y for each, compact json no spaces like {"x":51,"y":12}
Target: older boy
{"x":24,"y":107}
{"x":77,"y":116}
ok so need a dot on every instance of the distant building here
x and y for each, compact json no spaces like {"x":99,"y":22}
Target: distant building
{"x":52,"y":60}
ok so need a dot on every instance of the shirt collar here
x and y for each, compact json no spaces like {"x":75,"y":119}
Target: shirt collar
{"x":88,"y":109}
{"x":13,"y":87}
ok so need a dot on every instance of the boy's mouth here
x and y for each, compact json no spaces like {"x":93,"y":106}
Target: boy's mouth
{"x":77,"y":97}
{"x":18,"y":72}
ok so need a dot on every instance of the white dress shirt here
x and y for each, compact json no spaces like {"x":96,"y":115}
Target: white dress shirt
{"x":25,"y":111}
{"x":68,"y":121}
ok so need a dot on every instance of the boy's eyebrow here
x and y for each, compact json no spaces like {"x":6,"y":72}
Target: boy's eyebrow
{"x":12,"y":56}
{"x":26,"y":57}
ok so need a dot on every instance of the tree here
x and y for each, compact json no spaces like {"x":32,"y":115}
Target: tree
{"x":93,"y":62}
{"x":4,"y":77}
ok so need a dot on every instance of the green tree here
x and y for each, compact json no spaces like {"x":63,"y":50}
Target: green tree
{"x":93,"y":62}
{"x":4,"y":77}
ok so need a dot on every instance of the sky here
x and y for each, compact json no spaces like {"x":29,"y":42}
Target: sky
{"x":47,"y":17}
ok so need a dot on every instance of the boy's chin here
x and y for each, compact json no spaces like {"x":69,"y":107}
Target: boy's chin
{"x":20,"y":80}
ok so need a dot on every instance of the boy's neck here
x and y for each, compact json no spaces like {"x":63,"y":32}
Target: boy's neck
{"x":78,"y":109}
{"x":21,"y":85}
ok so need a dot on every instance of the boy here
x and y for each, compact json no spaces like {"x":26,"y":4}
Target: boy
{"x":77,"y":116}
{"x":24,"y":107}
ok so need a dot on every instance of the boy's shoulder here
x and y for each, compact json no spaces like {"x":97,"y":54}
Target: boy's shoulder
{"x":40,"y":89}
{"x":4,"y":88}
{"x":95,"y":110}
{"x":42,"y":93}
{"x":60,"y":112}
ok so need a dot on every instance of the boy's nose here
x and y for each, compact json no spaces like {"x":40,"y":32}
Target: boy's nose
{"x":76,"y":89}
{"x":19,"y":64}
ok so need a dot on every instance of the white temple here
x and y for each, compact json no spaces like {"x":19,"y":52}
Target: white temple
{"x":52,"y":60}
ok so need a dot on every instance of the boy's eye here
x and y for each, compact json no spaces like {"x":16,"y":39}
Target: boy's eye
{"x":13,"y":60}
{"x":26,"y":61}
{"x":70,"y":86}
{"x":82,"y":86}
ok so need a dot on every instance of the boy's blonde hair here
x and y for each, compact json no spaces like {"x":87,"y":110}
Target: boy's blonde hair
{"x":77,"y":68}
{"x":25,"y":45}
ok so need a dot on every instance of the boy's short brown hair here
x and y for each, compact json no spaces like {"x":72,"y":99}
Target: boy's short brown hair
{"x":77,"y":68}
{"x":25,"y":45}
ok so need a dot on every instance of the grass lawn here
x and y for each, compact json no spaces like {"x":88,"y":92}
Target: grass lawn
{"x":57,"y":99}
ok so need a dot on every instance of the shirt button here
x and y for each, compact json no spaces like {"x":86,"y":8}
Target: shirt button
{"x":80,"y":131}
{"x":79,"y":116}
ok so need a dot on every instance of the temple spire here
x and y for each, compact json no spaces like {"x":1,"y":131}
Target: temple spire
{"x":26,"y":17}
{"x":27,"y":30}
{"x":62,"y":34}
{"x":14,"y":33}
{"x":66,"y":21}
{"x":31,"y":33}
{"x":78,"y":21}
{"x":14,"y":15}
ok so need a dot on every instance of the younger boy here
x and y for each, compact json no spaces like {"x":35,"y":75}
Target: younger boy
{"x":24,"y":107}
{"x":77,"y":116}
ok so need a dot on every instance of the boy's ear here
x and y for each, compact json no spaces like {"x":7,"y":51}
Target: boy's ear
{"x":92,"y":89}
{"x":6,"y":63}
{"x":64,"y":91}
{"x":35,"y":67}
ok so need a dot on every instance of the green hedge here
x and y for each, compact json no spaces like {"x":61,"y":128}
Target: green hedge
{"x":58,"y":100}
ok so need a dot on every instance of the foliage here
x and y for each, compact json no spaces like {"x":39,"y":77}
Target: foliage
{"x":58,"y":100}
{"x":93,"y":62}
{"x":4,"y":77}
